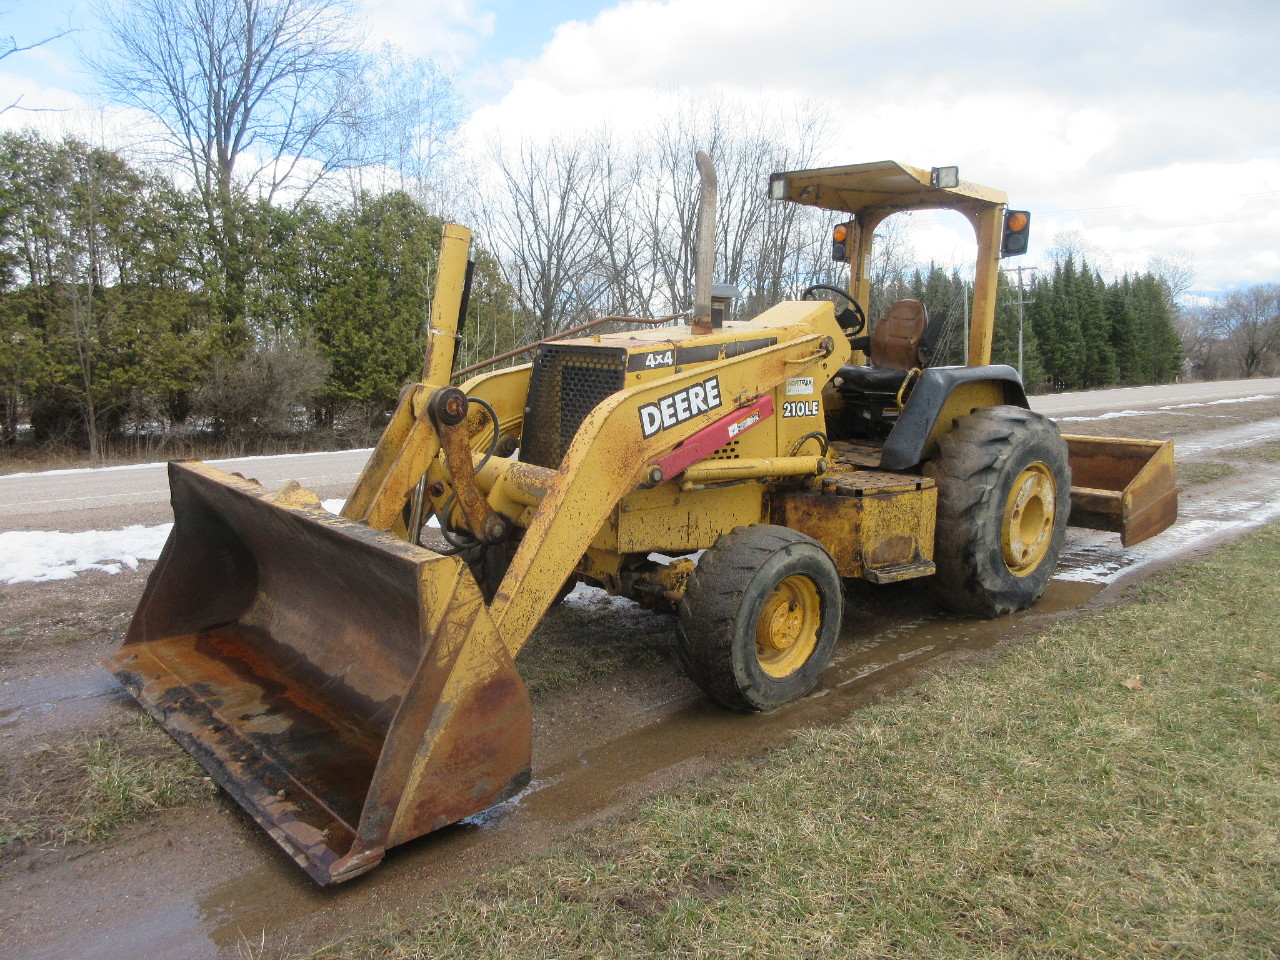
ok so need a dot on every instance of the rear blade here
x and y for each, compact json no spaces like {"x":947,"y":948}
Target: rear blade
{"x":1126,"y":486}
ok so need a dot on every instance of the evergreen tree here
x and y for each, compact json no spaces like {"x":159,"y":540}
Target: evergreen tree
{"x":1087,"y":295}
{"x":1159,"y":334}
{"x":1004,"y":347}
{"x":1057,"y":328}
{"x":1128,"y":336}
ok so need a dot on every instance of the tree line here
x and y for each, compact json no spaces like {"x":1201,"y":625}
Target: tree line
{"x":116,"y":326}
{"x":113,"y":319}
{"x":263,"y":269}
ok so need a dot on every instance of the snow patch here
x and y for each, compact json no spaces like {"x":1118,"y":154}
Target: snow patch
{"x":595,"y":598}
{"x":39,"y":556}
{"x":1115,"y":414}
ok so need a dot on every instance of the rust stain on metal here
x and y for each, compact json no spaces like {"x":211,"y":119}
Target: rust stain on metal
{"x":892,"y":550}
{"x":484,"y":524}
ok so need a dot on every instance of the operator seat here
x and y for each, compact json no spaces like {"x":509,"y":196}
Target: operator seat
{"x":893,"y":347}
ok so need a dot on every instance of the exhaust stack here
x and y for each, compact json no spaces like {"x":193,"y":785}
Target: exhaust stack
{"x":704,"y":263}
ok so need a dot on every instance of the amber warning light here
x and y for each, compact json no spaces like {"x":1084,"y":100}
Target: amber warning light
{"x":1017,"y":233}
{"x":839,"y":249}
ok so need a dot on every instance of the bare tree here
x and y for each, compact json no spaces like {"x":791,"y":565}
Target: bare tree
{"x":623,"y":257}
{"x":1071,"y":244}
{"x":1176,"y":269}
{"x":8,"y":47}
{"x":539,"y":221}
{"x":762,"y":246}
{"x":249,"y":93}
{"x":1248,"y":322}
{"x":411,"y":116}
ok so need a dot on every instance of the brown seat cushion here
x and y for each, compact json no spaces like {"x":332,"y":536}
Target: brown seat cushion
{"x":895,"y":342}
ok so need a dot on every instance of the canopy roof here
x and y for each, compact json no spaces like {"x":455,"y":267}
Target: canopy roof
{"x":883,"y":185}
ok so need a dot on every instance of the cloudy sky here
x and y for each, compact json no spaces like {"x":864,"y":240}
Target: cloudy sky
{"x":1149,"y":127}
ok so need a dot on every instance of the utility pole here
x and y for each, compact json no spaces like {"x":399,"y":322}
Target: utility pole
{"x":1021,"y":301}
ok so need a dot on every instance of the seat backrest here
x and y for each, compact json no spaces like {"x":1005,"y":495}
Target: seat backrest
{"x":895,"y":342}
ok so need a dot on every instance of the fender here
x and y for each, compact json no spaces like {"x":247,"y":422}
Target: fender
{"x":941,"y":395}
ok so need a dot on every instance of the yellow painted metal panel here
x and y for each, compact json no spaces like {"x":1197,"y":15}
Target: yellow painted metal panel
{"x":606,"y":458}
{"x":667,"y":518}
{"x":963,"y":400}
{"x":888,"y":527}
{"x":883,"y":184}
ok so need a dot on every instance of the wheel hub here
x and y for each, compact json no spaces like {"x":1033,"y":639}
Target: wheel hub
{"x":1029,"y":515}
{"x":787,"y":631}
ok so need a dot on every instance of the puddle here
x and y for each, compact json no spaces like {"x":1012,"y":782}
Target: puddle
{"x":1232,"y":438}
{"x":77,"y":696}
{"x":673,"y":742}
{"x":686,"y":734}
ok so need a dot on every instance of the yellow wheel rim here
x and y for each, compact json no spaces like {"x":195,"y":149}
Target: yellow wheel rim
{"x":1029,"y":514}
{"x":787,"y":631}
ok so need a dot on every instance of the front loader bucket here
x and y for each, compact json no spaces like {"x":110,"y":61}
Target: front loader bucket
{"x":346,"y":687}
{"x":1126,"y":486}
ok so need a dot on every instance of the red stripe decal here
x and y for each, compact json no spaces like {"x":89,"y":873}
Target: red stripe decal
{"x":711,"y":438}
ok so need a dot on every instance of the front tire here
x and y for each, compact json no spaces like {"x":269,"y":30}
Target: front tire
{"x":1004,"y":484}
{"x":760,"y":617}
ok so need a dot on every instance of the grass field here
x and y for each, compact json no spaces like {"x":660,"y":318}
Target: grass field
{"x":1109,"y":788}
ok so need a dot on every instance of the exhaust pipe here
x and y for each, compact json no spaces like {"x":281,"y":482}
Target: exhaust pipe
{"x":704,"y":263}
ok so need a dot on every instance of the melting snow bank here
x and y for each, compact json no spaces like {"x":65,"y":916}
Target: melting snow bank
{"x":39,"y":556}
{"x":1116,"y":414}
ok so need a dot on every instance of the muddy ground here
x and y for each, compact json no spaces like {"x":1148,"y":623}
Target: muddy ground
{"x":615,"y":721}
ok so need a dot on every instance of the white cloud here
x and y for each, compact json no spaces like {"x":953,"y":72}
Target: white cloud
{"x":1139,"y":124}
{"x":444,"y":30}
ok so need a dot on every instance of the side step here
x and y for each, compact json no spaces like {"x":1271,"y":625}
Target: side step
{"x":900,"y":571}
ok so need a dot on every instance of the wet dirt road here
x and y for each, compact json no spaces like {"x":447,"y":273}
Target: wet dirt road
{"x":203,"y":882}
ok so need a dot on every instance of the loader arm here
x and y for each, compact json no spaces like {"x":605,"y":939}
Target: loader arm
{"x":404,"y":452}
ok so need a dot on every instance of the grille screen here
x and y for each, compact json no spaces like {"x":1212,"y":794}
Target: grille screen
{"x":567,"y":383}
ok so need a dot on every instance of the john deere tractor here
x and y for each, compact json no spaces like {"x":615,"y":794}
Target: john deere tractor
{"x":353,"y":688}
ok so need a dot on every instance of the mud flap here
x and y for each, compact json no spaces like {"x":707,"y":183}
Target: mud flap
{"x":1126,"y":486}
{"x":347,"y":688}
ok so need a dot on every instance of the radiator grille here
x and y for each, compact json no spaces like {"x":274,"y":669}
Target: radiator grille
{"x":567,"y":383}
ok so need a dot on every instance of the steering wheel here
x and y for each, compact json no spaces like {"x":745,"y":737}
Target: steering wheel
{"x":852,"y":319}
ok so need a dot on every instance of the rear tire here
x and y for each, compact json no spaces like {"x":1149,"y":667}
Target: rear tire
{"x":760,"y":617}
{"x":1004,"y":486}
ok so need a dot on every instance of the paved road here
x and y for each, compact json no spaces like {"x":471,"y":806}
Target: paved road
{"x":1150,"y":398}
{"x":110,"y":497}
{"x":113,"y":496}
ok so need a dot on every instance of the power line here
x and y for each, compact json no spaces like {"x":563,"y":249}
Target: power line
{"x":1021,"y":302}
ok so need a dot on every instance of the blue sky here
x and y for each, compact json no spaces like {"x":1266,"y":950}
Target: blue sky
{"x":1150,"y":128}
{"x":518,"y":30}
{"x":521,"y":28}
